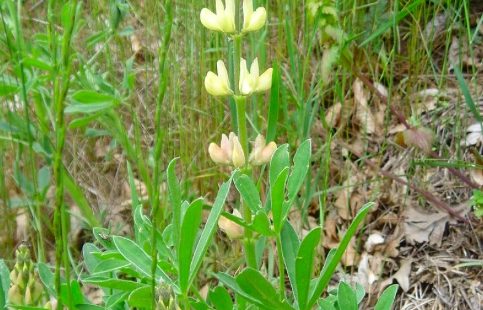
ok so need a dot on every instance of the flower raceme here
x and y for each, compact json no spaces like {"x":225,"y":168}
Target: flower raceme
{"x":224,"y":18}
{"x":251,"y":81}
{"x":218,"y":84}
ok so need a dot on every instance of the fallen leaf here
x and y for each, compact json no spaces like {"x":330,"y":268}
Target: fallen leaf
{"x":332,"y":115}
{"x":402,"y":275}
{"x":421,"y":227}
{"x":363,"y":114}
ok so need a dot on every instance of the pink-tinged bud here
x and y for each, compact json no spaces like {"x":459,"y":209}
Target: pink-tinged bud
{"x":226,"y":144}
{"x":238,"y":157}
{"x":218,"y":155}
{"x":262,"y":153}
{"x":231,"y":229}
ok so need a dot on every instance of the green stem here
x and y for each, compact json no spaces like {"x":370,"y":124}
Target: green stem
{"x":61,"y":87}
{"x":281,"y":268}
{"x":242,"y":122}
{"x":159,"y":138}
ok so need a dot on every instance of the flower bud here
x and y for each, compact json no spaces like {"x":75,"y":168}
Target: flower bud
{"x":262,"y":153}
{"x":218,"y":155}
{"x":238,"y":156}
{"x":14,"y":295}
{"x":253,"y":21}
{"x":231,"y":229}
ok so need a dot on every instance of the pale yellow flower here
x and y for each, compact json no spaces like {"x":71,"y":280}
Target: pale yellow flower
{"x":251,"y":81}
{"x":238,"y":156}
{"x":253,"y":21}
{"x":223,"y":20}
{"x":218,"y":84}
{"x":262,"y":152}
{"x":231,"y":229}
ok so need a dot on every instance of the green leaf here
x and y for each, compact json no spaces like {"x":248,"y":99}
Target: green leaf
{"x":326,"y":305}
{"x":248,"y":191}
{"x":346,"y":297}
{"x":189,"y":229}
{"x":109,"y":265}
{"x":280,"y":161}
{"x":360,"y":293}
{"x":113,"y":283}
{"x":466,"y":93}
{"x":89,"y":101}
{"x":304,"y":266}
{"x":134,"y":254}
{"x":8,"y":86}
{"x":4,"y":283}
{"x":47,"y":278}
{"x":220,"y":298}
{"x":209,"y":229}
{"x":274,"y":103}
{"x":141,"y":298}
{"x":174,"y":192}
{"x":334,"y":259}
{"x":254,"y":284}
{"x":261,"y":224}
{"x":387,"y":298}
{"x":290,"y":248}
{"x":115,"y":299}
{"x":277,"y":197}
{"x":299,"y":171}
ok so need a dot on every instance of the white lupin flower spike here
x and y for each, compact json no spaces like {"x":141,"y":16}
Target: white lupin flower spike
{"x":223,"y":20}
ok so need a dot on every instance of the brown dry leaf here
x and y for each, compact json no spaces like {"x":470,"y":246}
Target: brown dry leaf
{"x":22,"y":221}
{"x":396,"y":129}
{"x":368,"y":270}
{"x":342,"y":202}
{"x":426,"y":100}
{"x":332,"y":115}
{"x":477,"y":176}
{"x":330,"y":226}
{"x":350,"y":257}
{"x":402,"y":275}
{"x":421,"y":227}
{"x":363,"y":113}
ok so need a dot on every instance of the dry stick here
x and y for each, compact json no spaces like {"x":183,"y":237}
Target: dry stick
{"x":429,"y":197}
{"x":403,"y":121}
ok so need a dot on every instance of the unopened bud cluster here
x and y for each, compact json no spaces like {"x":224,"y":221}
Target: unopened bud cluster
{"x":166,"y":299}
{"x":230,"y":151}
{"x":25,"y":287}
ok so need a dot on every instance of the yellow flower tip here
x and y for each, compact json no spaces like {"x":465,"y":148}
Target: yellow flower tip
{"x":238,"y":157}
{"x":217,"y":154}
{"x":223,"y":20}
{"x":218,"y":84}
{"x":251,"y":81}
{"x":253,"y":21}
{"x":265,"y":81}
